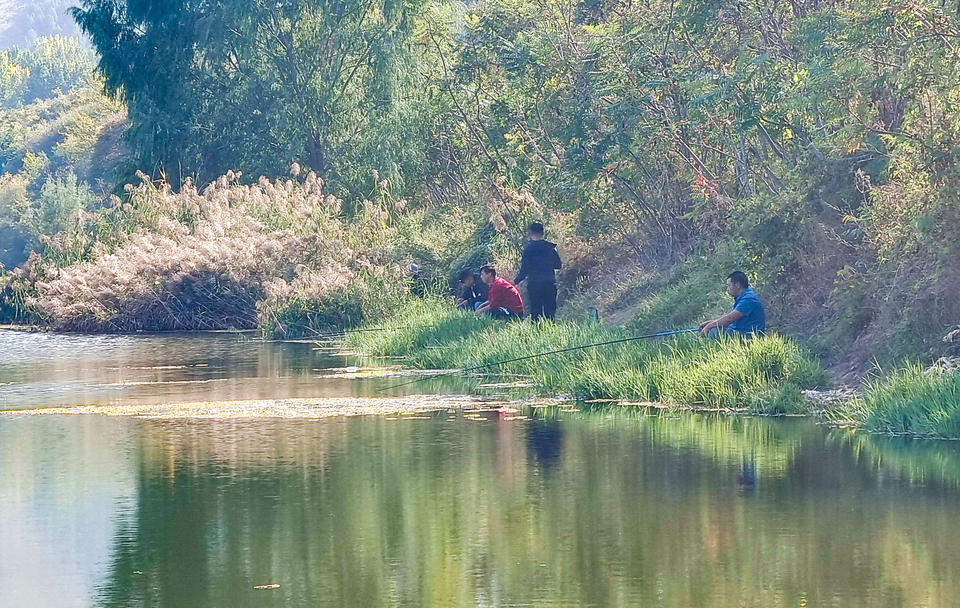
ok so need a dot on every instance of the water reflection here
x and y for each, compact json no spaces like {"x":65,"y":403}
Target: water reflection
{"x":545,"y":442}
{"x":591,"y":510}
{"x":47,"y":370}
{"x":604,"y":508}
{"x":747,"y":479}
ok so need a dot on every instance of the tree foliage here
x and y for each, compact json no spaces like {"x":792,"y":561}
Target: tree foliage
{"x":811,"y":142}
{"x":215,"y":85}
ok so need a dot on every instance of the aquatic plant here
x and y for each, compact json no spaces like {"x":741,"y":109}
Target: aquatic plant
{"x":761,"y":375}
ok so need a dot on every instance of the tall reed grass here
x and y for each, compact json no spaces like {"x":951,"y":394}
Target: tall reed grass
{"x":276,"y":254}
{"x":910,"y":401}
{"x":762,"y":375}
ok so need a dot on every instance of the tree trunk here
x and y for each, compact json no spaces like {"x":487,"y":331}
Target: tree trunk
{"x":315,"y":151}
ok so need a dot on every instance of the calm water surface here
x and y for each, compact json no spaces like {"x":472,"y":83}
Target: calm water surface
{"x":47,"y":370}
{"x":565,"y":508}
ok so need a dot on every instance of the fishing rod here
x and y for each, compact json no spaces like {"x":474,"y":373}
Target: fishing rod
{"x":662,"y":334}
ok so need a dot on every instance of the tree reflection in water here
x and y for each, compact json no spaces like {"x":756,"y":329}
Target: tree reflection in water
{"x":625,"y":510}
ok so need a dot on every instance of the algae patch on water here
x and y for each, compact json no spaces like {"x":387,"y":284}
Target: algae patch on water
{"x":288,"y":408}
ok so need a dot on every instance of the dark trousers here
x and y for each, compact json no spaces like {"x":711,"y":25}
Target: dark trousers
{"x":504,"y":314}
{"x":542,"y":298}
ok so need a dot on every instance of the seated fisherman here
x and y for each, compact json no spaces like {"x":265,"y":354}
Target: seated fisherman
{"x":503,"y":299}
{"x":473,"y":292}
{"x":747,"y":317}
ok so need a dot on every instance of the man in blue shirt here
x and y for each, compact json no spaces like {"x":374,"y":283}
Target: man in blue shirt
{"x":747,"y":317}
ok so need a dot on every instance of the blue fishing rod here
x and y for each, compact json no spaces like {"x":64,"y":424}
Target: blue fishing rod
{"x":467,"y":370}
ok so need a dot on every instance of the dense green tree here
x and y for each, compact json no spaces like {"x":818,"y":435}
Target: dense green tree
{"x":656,"y":119}
{"x":56,"y":63}
{"x":258,"y":85}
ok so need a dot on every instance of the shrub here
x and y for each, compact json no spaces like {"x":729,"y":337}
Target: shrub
{"x":62,"y":199}
{"x":13,"y":80}
{"x":313,"y":304}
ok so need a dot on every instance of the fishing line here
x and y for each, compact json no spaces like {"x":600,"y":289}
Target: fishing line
{"x":662,"y":334}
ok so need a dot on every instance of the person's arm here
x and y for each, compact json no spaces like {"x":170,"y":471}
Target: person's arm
{"x":557,"y":264}
{"x":720,"y":322}
{"x":464,"y":298}
{"x":524,"y":267}
{"x":493,"y":300}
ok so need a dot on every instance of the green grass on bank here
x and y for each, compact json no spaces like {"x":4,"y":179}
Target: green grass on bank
{"x":910,"y":401}
{"x":762,"y":375}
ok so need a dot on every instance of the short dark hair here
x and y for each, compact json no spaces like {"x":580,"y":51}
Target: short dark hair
{"x":488,"y":269}
{"x":464,"y":275}
{"x":535,"y":228}
{"x":739,"y":278}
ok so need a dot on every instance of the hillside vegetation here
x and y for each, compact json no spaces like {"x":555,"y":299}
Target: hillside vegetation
{"x":812,"y":144}
{"x":61,"y":148}
{"x":22,"y":22}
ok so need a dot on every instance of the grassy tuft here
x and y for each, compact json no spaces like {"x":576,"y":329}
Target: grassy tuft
{"x":762,"y":375}
{"x":910,"y":401}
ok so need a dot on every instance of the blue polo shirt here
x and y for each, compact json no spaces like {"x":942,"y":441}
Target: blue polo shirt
{"x":754,"y":318}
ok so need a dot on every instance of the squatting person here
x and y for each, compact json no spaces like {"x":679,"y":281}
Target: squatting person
{"x":747,"y":317}
{"x":538,"y":266}
{"x":503,"y":299}
{"x":473,"y":291}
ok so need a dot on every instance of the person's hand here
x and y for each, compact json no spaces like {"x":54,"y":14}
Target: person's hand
{"x":706,"y":326}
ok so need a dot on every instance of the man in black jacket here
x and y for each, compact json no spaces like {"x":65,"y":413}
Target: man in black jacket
{"x":538,"y":265}
{"x":473,"y":291}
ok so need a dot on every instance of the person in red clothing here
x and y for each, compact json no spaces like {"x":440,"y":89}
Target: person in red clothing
{"x":503,"y":299}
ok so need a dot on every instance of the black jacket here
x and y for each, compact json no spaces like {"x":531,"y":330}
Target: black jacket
{"x":475,"y":293}
{"x":539,"y":261}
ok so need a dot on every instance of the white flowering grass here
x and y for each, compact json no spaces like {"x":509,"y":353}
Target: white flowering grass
{"x":231,"y":255}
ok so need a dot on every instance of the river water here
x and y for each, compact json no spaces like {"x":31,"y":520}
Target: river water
{"x":564,"y":507}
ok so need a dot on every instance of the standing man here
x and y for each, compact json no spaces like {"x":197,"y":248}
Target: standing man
{"x":503,"y":299}
{"x":538,"y":266}
{"x":747,"y":317}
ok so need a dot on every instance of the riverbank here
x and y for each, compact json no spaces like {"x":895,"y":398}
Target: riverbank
{"x":772,"y":375}
{"x":766,"y":375}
